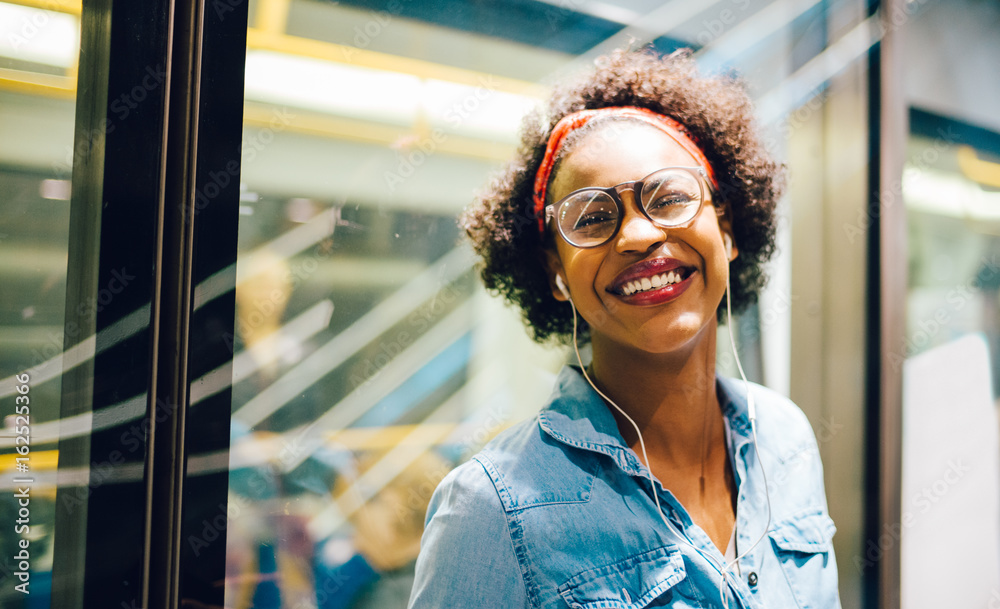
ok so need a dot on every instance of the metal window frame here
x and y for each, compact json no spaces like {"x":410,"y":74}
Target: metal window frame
{"x":159,"y":115}
{"x":887,"y":281}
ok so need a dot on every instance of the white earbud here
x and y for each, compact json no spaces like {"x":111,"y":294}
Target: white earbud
{"x":562,"y":287}
{"x":729,"y":244}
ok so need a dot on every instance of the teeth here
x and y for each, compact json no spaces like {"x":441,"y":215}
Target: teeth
{"x":651,"y":283}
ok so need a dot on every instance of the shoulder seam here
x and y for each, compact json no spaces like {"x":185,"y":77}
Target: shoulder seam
{"x":513,"y":523}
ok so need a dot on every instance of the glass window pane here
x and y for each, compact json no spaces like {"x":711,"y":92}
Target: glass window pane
{"x":368,"y":359}
{"x":39,"y":50}
{"x":948,"y":352}
{"x":949,"y":356}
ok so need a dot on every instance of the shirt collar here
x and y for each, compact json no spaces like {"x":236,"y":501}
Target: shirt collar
{"x":576,"y":415}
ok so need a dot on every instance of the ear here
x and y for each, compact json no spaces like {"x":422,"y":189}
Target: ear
{"x":554,"y":268}
{"x":727,"y":229}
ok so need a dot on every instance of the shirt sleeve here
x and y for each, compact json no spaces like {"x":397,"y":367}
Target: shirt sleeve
{"x":466,"y":553}
{"x":804,"y":568}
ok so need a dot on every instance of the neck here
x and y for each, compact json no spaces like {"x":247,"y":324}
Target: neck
{"x":671,"y":397}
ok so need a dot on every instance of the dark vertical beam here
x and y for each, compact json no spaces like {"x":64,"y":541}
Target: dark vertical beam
{"x":873,"y":341}
{"x":69,"y":556}
{"x":170,"y":317}
{"x":159,"y":119}
{"x":887,"y":324}
{"x":101,"y":545}
{"x":201,"y":217}
{"x":214,"y":200}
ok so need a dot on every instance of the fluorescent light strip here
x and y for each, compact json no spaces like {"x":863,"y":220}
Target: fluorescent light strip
{"x":39,"y":36}
{"x":384,"y":96}
{"x":330,"y":87}
{"x":948,"y":194}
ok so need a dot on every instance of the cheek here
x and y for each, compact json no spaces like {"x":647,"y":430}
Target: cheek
{"x":710,"y":241}
{"x":578,"y":264}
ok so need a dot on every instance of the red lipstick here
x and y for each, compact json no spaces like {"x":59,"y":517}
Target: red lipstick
{"x":652,"y":282}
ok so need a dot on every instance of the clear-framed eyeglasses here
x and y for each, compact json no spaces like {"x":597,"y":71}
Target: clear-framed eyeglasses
{"x":668,"y":197}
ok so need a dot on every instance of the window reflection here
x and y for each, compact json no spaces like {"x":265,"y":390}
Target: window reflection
{"x":952,"y":194}
{"x":39,"y":50}
{"x":368,"y":360}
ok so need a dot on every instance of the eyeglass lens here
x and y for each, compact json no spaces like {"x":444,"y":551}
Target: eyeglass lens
{"x":589,"y":217}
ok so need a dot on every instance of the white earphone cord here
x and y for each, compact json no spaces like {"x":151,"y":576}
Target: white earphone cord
{"x":751,"y":414}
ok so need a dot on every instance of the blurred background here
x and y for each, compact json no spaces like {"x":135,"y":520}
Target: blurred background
{"x":367,"y":360}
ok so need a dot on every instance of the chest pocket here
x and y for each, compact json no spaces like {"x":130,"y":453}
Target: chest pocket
{"x":803,"y":545}
{"x":632,"y":583}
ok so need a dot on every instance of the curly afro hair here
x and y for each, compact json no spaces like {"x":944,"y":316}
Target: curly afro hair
{"x":715,"y":110}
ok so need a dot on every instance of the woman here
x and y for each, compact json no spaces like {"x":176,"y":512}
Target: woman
{"x":627,"y":213}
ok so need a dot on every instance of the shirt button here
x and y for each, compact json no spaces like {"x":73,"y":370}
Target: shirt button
{"x":752,"y":578}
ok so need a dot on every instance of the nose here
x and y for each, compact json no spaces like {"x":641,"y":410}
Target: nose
{"x":637,"y":232}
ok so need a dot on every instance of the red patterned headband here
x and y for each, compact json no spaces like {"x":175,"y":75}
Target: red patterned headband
{"x":574,"y":121}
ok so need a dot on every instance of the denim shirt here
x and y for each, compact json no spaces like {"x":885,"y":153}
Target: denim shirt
{"x":557,"y":511}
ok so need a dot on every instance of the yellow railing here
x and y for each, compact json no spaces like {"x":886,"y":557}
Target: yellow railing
{"x":268,"y":34}
{"x":358,"y":439}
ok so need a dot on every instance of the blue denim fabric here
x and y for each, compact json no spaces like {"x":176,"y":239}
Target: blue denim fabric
{"x":557,"y":511}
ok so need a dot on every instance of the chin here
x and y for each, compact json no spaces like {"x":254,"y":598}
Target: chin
{"x":678,"y":334}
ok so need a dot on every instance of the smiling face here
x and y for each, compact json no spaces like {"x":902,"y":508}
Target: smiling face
{"x":650,"y":288}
